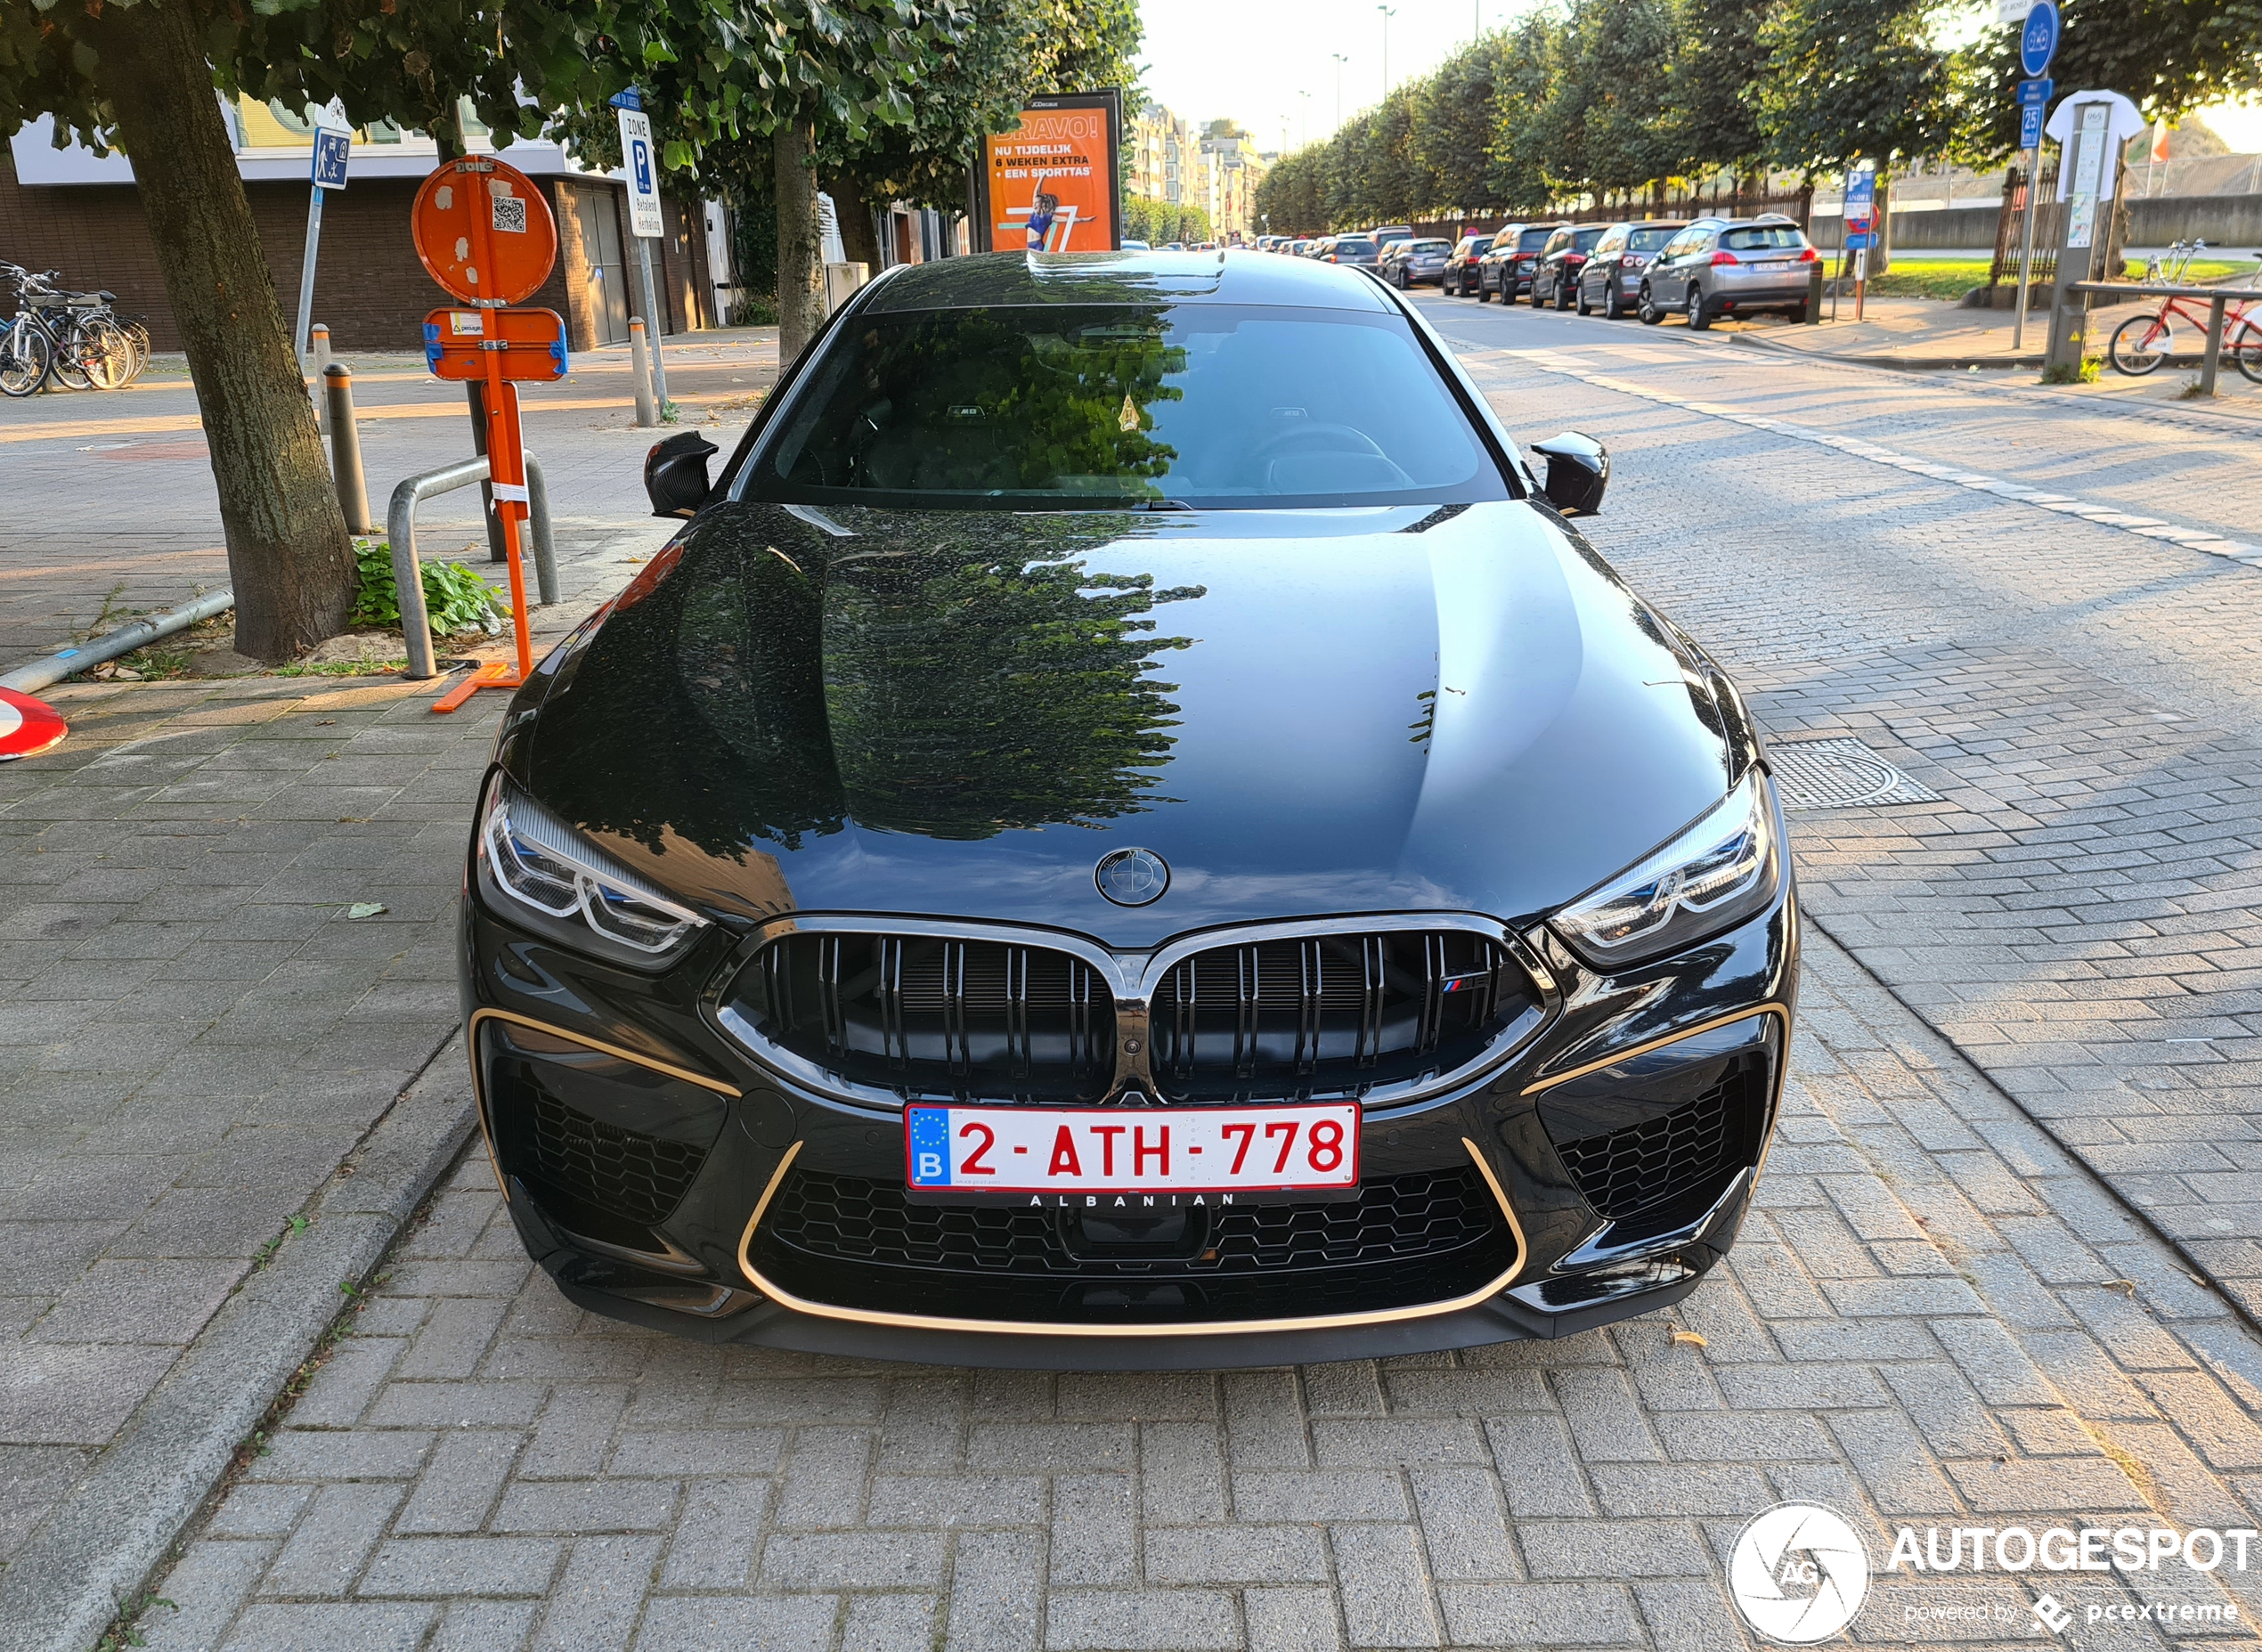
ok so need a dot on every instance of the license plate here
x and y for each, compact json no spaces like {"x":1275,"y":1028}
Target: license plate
{"x":1773,"y":264}
{"x":1167,"y":1156}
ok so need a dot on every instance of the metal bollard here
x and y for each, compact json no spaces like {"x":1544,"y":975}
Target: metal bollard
{"x":346,"y":449}
{"x":318,"y":353}
{"x":647,"y":414}
{"x":408,"y":576}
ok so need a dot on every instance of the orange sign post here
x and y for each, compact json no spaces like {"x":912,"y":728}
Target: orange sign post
{"x":485,"y":234}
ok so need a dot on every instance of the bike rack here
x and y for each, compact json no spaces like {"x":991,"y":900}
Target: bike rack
{"x":408,"y":580}
{"x":2217,"y":298}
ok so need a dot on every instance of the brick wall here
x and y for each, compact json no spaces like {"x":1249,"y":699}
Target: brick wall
{"x":370,"y":290}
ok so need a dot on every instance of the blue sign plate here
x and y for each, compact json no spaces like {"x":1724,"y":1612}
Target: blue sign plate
{"x":2036,"y":94}
{"x":2039,"y":39}
{"x":2031,"y":126}
{"x":331,"y":150}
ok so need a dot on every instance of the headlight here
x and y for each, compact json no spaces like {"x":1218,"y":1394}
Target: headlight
{"x":536,"y":859}
{"x":1712,"y":876}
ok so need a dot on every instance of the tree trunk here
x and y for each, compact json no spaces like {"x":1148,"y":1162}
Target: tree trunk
{"x":288,"y":555}
{"x":858,"y":238}
{"x":801,"y":247}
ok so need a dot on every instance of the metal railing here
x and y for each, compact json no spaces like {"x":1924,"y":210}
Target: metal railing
{"x":408,"y":578}
{"x":2217,"y":299}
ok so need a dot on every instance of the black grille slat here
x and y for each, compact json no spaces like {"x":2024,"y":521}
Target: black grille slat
{"x":1330,"y":1015}
{"x":1684,"y":1155}
{"x":1266,"y":1019}
{"x":924,"y":1015}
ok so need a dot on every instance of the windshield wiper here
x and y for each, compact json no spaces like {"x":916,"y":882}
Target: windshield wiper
{"x":1156,"y":504}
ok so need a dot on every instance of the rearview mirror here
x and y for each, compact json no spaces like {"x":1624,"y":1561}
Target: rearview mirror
{"x":1578,"y":469}
{"x":675,"y":474}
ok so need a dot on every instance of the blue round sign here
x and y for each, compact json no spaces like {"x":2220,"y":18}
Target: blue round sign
{"x":2039,"y":40}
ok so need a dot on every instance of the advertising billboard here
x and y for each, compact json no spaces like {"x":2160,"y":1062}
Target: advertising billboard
{"x":1054,"y":182}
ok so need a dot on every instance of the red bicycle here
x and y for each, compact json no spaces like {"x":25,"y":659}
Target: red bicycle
{"x":2143,"y":342}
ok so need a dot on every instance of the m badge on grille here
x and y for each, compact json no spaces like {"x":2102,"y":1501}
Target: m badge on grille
{"x":1132,"y":877}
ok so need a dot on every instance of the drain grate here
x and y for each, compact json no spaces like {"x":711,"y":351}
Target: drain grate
{"x":1840,"y":774}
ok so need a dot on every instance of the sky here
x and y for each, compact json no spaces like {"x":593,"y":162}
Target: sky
{"x":1270,"y":64}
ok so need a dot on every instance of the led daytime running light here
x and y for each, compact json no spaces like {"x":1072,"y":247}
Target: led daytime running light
{"x":536,"y":859}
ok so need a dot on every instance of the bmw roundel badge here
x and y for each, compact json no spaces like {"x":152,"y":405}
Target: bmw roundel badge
{"x":1132,"y":877}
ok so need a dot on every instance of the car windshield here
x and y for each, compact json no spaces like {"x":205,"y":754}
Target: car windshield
{"x":1084,"y":407}
{"x":1533,"y":241}
{"x":1584,"y":241}
{"x":1649,"y":240}
{"x":1432,"y":247}
{"x":1760,"y":238}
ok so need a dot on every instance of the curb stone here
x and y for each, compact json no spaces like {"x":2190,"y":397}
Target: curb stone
{"x":111,"y":1530}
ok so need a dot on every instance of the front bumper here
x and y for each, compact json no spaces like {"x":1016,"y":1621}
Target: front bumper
{"x":661,"y":1176}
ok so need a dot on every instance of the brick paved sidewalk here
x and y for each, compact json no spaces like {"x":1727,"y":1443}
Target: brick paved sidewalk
{"x":195,"y":1032}
{"x":2079,"y":915}
{"x":1936,"y":1317}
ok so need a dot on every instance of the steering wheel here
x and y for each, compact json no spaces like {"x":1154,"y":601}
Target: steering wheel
{"x":1303,"y":437}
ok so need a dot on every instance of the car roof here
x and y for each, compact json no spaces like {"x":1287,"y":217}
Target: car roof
{"x":1042,"y":278}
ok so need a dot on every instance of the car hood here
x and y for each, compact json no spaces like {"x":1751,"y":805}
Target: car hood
{"x":955,"y":714}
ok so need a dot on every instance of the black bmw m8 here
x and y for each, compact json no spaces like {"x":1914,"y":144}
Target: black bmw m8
{"x":1127,"y":828}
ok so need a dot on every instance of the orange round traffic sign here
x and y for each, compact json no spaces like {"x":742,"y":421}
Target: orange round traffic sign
{"x":27,"y":727}
{"x":484,"y":230}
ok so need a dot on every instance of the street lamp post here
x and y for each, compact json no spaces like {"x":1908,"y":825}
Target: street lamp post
{"x":1303,"y":126}
{"x":1340,"y":61}
{"x":1389,"y":11}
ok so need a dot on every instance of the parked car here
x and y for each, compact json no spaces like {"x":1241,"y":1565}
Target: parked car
{"x":1610,"y":281}
{"x":1555,"y":278}
{"x":1359,"y":249}
{"x":849,"y":964}
{"x":1730,"y":266}
{"x":1131,"y":246}
{"x":1415,"y":262}
{"x":1459,"y":280}
{"x":1390,"y":232}
{"x":1506,"y":267}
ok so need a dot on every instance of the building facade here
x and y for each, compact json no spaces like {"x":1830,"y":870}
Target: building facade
{"x":1232,"y":169}
{"x":72,"y":210}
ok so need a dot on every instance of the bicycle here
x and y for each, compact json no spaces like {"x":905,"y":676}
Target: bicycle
{"x":71,"y":337}
{"x":2143,"y":342}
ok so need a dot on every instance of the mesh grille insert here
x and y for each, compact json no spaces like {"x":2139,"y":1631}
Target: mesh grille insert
{"x":637,"y":1176}
{"x":1406,"y":1240}
{"x":1686,"y":1155}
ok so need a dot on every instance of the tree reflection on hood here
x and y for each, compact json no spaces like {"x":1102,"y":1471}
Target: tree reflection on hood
{"x":949,"y":675}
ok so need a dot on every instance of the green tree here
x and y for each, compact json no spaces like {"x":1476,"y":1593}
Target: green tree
{"x":1290,"y":195}
{"x":1524,"y":139}
{"x":1454,"y":124}
{"x":2169,"y":56}
{"x":1711,"y":96}
{"x":141,"y":77}
{"x":1010,"y":52}
{"x":1851,"y":80}
{"x":1614,"y":53}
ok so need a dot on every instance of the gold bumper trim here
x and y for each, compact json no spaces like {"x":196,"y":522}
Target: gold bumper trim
{"x":1033,"y":1328}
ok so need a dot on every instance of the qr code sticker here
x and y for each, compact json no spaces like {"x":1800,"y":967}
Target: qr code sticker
{"x":510,"y":214}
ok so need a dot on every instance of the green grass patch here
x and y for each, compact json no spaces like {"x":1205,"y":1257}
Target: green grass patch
{"x":1915,"y":276}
